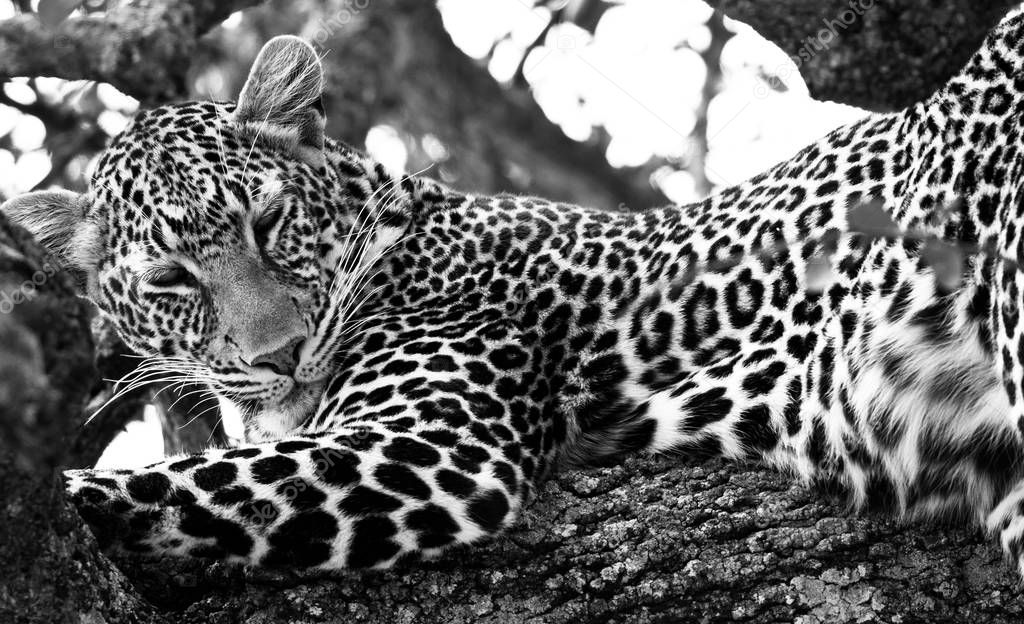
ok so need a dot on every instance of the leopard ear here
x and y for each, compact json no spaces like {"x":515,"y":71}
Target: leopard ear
{"x":281,"y":100}
{"x":58,"y":222}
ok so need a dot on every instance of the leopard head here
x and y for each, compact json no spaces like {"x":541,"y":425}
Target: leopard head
{"x":231,"y":242}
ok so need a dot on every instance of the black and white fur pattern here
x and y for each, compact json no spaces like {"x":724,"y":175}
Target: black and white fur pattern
{"x":413,"y":361}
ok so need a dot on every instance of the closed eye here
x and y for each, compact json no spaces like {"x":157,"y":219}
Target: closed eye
{"x":267,"y":221}
{"x":170,"y":277}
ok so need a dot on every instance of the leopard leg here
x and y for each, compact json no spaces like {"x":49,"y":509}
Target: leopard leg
{"x":364,"y":497}
{"x":743,"y":406}
{"x":1007,"y":521}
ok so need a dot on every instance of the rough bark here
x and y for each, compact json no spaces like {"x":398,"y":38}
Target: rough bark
{"x":876,"y":54}
{"x":51,"y":570}
{"x":143,"y":48}
{"x":646,"y":541}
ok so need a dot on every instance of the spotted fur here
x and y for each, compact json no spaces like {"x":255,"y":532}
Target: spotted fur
{"x":413,"y":361}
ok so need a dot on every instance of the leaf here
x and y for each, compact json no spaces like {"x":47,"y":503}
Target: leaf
{"x":869,"y":218}
{"x":53,"y":12}
{"x":819,"y":274}
{"x":946,"y":260}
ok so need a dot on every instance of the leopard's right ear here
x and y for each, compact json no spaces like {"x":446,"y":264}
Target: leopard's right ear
{"x":280,"y":102}
{"x":58,"y":222}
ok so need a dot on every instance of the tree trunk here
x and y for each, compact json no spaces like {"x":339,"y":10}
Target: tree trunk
{"x":51,"y":570}
{"x":649,"y":540}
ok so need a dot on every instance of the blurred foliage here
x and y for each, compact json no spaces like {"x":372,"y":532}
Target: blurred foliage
{"x":51,"y":129}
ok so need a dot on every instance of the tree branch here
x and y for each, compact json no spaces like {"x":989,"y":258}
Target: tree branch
{"x":51,"y":569}
{"x":877,"y":54}
{"x":649,"y":540}
{"x":144,"y":48}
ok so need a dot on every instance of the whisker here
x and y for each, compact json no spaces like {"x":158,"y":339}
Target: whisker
{"x":169,"y":371}
{"x":199,"y":415}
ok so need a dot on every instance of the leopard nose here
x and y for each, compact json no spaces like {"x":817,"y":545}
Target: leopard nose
{"x":282,"y":361}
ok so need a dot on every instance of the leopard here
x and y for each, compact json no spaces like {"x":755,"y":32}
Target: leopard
{"x":412,"y":362}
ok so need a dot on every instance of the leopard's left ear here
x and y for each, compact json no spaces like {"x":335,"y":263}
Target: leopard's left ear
{"x":58,"y":221}
{"x":281,"y":100}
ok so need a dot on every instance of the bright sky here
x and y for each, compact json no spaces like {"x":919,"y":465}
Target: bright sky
{"x":631,"y":76}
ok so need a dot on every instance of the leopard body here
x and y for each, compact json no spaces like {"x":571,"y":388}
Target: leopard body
{"x":413,"y":361}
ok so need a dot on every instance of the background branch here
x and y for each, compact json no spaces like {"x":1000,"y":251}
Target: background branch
{"x":144,"y":48}
{"x":893,"y":53}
